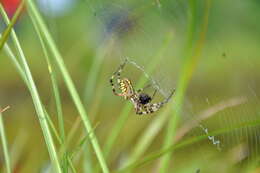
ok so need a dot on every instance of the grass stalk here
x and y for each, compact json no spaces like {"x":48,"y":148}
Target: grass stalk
{"x":36,"y":98}
{"x":17,"y":65}
{"x":94,"y":70}
{"x":66,"y":158}
{"x":69,"y":83}
{"x":56,"y":94}
{"x":191,"y":141}
{"x":62,"y":138}
{"x":147,"y":137}
{"x":189,"y":64}
{"x":5,"y":145}
{"x":7,"y":31}
{"x":54,"y":82}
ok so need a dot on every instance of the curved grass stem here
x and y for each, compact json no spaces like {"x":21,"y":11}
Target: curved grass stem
{"x":35,"y":97}
{"x":5,"y":144}
{"x":191,"y":59}
{"x":69,"y":83}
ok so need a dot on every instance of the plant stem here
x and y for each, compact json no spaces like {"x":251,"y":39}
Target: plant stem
{"x":5,"y":145}
{"x":190,"y":62}
{"x":36,"y":99}
{"x":76,"y":99}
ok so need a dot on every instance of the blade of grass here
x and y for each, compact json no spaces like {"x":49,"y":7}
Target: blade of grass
{"x":57,"y":98}
{"x":17,"y":149}
{"x":17,"y":65}
{"x":52,"y":126}
{"x":94,"y":70}
{"x":54,"y":82}
{"x":23,"y":75}
{"x":148,"y":136}
{"x":185,"y":143}
{"x":5,"y":143}
{"x":72,"y":90}
{"x":80,"y":149}
{"x":155,"y":126}
{"x":207,"y":113}
{"x":89,"y":90}
{"x":36,"y":99}
{"x":65,"y":160}
{"x":127,"y":108}
{"x":189,"y":65}
{"x":62,"y":140}
{"x":87,"y":161}
{"x":7,"y":31}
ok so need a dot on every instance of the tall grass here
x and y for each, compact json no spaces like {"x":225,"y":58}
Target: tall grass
{"x":185,"y":143}
{"x":35,"y":97}
{"x":61,"y":137}
{"x":5,"y":145}
{"x":189,"y":63}
{"x":68,"y":81}
{"x":8,"y":30}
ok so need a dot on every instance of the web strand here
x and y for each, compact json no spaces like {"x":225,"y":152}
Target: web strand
{"x":155,"y":84}
{"x":162,"y":92}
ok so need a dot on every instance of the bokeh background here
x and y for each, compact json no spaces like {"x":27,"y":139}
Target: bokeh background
{"x":94,"y":37}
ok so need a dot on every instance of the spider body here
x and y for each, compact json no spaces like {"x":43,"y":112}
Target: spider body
{"x":144,"y":98}
{"x":126,"y":87}
{"x":141,"y":101}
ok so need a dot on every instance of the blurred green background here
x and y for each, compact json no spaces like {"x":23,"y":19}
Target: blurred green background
{"x":95,"y":36}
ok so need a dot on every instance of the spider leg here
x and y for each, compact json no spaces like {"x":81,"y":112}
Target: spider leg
{"x":168,"y":98}
{"x":146,"y":109}
{"x":118,"y":75}
{"x":155,"y":91}
{"x":141,"y":111}
{"x":150,"y":108}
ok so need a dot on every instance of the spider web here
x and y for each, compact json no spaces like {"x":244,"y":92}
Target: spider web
{"x":130,"y":25}
{"x":114,"y":25}
{"x":158,"y":88}
{"x":154,"y":83}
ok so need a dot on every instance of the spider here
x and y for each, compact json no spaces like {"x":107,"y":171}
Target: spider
{"x":141,"y":101}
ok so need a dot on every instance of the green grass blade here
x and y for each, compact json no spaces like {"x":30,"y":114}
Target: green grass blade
{"x":89,"y":90}
{"x":17,"y":65}
{"x":155,"y":155}
{"x":76,"y":99}
{"x":36,"y":100}
{"x":54,"y":82}
{"x":52,"y":126}
{"x":5,"y":145}
{"x":155,"y":126}
{"x":66,"y":161}
{"x":94,"y":71}
{"x":7,"y":31}
{"x":189,"y":65}
{"x":66,"y":158}
{"x":148,"y":136}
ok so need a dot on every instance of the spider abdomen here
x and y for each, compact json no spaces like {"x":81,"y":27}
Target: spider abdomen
{"x":144,"y":98}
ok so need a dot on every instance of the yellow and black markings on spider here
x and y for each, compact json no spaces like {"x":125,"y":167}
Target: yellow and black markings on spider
{"x":141,"y":101}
